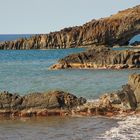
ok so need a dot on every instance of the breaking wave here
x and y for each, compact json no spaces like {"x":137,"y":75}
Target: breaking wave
{"x":128,"y":129}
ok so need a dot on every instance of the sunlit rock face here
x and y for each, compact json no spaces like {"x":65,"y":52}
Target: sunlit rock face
{"x":100,"y":57}
{"x":134,"y":82}
{"x":117,"y":29}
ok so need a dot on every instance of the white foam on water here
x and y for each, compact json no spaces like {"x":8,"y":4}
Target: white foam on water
{"x":128,"y":129}
{"x":92,"y":100}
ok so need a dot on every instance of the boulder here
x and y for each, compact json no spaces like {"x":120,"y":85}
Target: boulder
{"x":50,"y":100}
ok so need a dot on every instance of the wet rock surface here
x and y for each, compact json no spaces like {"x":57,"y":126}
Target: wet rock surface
{"x":101,"y":57}
{"x":117,"y":29}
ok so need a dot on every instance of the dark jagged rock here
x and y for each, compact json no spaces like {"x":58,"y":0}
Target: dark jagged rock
{"x":50,"y":100}
{"x":58,"y":103}
{"x":129,"y":96}
{"x":123,"y":102}
{"x":117,"y":29}
{"x":8,"y":101}
{"x":101,"y":57}
{"x":38,"y":104}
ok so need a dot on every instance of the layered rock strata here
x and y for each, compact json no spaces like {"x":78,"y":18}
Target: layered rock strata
{"x":101,"y":58}
{"x":38,"y":104}
{"x":117,"y":29}
{"x":59,"y":103}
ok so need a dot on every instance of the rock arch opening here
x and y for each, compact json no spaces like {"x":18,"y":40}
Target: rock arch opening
{"x":135,"y":40}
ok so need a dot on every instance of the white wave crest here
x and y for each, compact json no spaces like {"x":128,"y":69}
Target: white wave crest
{"x":92,"y":100}
{"x":127,"y":129}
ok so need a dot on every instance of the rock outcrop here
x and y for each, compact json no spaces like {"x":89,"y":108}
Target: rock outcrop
{"x":134,"y":82}
{"x":38,"y":104}
{"x":122,"y":102}
{"x":59,"y":103}
{"x":101,"y":58}
{"x":117,"y":29}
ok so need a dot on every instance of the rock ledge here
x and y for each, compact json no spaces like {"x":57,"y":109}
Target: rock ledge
{"x":59,"y":103}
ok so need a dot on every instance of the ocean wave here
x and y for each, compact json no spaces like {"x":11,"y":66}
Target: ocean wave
{"x":92,"y":100}
{"x":128,"y":129}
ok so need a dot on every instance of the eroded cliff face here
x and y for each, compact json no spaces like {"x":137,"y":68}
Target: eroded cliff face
{"x":101,"y":58}
{"x":117,"y":29}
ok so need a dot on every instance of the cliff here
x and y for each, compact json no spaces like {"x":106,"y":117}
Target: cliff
{"x":117,"y":29}
{"x":101,"y":57}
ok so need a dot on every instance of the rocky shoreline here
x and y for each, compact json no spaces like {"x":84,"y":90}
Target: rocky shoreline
{"x":100,"y":57}
{"x":118,"y":29}
{"x":59,"y":103}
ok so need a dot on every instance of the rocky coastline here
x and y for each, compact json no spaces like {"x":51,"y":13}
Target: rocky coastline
{"x":100,"y":57}
{"x":59,"y":103}
{"x":118,"y":29}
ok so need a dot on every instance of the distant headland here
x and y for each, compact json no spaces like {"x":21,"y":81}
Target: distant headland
{"x":117,"y":29}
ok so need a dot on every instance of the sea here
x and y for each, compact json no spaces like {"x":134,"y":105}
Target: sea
{"x":27,"y":71}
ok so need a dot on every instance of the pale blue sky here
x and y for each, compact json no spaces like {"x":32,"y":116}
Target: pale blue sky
{"x":43,"y":16}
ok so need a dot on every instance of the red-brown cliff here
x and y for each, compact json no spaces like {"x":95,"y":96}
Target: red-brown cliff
{"x":117,"y":29}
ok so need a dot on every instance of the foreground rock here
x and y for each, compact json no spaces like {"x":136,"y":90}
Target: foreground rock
{"x":38,"y":104}
{"x":117,"y":29}
{"x":59,"y":103}
{"x":101,"y":58}
{"x":134,"y":82}
{"x":123,"y":102}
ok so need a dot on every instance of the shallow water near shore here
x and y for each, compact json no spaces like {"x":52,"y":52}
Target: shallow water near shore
{"x":55,"y":128}
{"x":71,"y":128}
{"x":27,"y":71}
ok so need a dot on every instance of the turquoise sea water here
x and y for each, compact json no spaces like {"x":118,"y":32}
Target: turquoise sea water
{"x":27,"y":71}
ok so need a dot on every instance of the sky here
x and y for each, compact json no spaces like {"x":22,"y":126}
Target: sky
{"x":44,"y":16}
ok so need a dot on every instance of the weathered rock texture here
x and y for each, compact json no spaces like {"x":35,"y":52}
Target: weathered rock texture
{"x":38,"y":104}
{"x":59,"y":103}
{"x":117,"y":29}
{"x":134,"y":82}
{"x":101,"y":57}
{"x":123,"y":102}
